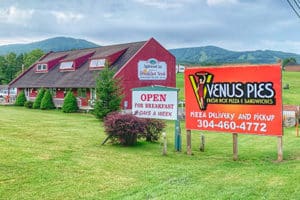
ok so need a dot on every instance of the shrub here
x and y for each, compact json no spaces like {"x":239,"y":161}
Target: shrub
{"x":153,"y":129}
{"x":70,"y":103}
{"x":38,"y":99}
{"x":21,"y":99}
{"x":47,"y":102}
{"x":123,"y":128}
{"x":28,"y":104}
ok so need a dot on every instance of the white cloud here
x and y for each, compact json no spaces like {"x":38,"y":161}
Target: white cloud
{"x":162,"y":4}
{"x":220,"y":2}
{"x":14,"y":15}
{"x":66,"y":17}
{"x":282,"y":45}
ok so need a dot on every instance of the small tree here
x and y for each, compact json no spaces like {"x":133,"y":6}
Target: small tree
{"x":153,"y":129}
{"x":38,"y":100}
{"x":70,"y":103}
{"x":21,"y":99}
{"x":47,"y":101}
{"x":109,"y":93}
{"x":123,"y":128}
{"x":287,"y":61}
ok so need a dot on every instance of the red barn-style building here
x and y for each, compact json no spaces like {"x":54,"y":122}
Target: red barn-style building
{"x":137,"y":64}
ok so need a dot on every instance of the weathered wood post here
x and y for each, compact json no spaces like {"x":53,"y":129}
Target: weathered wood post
{"x":202,"y":142}
{"x":188,"y":142}
{"x":279,"y":149}
{"x":235,"y":146}
{"x":164,"y":143}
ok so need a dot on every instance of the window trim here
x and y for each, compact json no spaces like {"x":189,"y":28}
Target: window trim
{"x":41,"y":67}
{"x":71,"y":67}
{"x":96,"y":63}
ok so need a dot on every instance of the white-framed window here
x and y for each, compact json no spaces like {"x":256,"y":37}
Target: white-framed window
{"x":66,"y":65}
{"x":97,"y":63}
{"x":41,"y":67}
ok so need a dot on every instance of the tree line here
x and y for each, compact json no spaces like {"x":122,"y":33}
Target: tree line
{"x":11,"y":64}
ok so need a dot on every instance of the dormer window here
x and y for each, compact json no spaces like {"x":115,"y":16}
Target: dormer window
{"x":66,"y":65}
{"x":41,"y":67}
{"x":96,"y":63}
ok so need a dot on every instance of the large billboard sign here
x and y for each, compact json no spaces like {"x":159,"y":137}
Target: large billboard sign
{"x":156,"y":102}
{"x":235,"y":99}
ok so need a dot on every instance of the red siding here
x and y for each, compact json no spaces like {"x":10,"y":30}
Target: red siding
{"x":85,"y":101}
{"x":59,"y":93}
{"x":292,"y":68}
{"x":113,"y":57}
{"x":79,"y":61}
{"x":54,"y":62}
{"x":33,"y":92}
{"x":129,"y":72}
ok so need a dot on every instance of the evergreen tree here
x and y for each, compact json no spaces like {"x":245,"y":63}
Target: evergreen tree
{"x":38,"y":99}
{"x":32,"y":56}
{"x":47,"y":101}
{"x":70,"y":103}
{"x":21,"y":99}
{"x":287,"y":61}
{"x":109,"y":93}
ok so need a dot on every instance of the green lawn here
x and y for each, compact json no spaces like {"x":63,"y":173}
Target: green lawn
{"x":53,"y":155}
{"x":290,"y":96}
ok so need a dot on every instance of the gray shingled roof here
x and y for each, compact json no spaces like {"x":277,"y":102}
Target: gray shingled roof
{"x":81,"y":77}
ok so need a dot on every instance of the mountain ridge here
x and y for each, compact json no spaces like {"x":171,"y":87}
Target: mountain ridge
{"x":51,"y":44}
{"x":211,"y":55}
{"x":205,"y":55}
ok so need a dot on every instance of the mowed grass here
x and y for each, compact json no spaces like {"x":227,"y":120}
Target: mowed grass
{"x":53,"y":155}
{"x":290,"y":96}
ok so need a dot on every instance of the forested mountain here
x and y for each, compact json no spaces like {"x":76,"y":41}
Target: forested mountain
{"x":17,"y":57}
{"x":196,"y":55}
{"x":51,"y":44}
{"x":211,"y":55}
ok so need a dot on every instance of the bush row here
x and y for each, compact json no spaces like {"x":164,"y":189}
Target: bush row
{"x":44,"y":101}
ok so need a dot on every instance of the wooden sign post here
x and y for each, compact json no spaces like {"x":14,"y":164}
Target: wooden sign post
{"x":158,"y":102}
{"x":279,"y":149}
{"x":235,"y":146}
{"x":188,"y":142}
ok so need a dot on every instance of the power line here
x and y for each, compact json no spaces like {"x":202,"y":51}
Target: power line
{"x":297,"y":3}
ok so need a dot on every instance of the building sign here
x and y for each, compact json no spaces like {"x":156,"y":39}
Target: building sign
{"x":235,"y":99}
{"x":156,"y":102}
{"x":152,"y":69}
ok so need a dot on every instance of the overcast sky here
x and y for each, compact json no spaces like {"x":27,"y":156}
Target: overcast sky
{"x":232,"y":24}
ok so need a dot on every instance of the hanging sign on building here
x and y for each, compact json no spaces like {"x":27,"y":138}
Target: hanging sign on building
{"x":235,"y":99}
{"x":152,"y":69}
{"x":156,"y":102}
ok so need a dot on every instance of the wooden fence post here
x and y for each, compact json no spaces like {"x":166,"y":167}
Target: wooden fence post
{"x":188,"y":142}
{"x":202,"y":143}
{"x":235,"y":146}
{"x":279,"y":149}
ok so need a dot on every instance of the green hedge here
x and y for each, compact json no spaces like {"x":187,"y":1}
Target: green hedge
{"x":47,"y":101}
{"x":38,"y":100}
{"x":21,"y":99}
{"x":70,"y":103}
